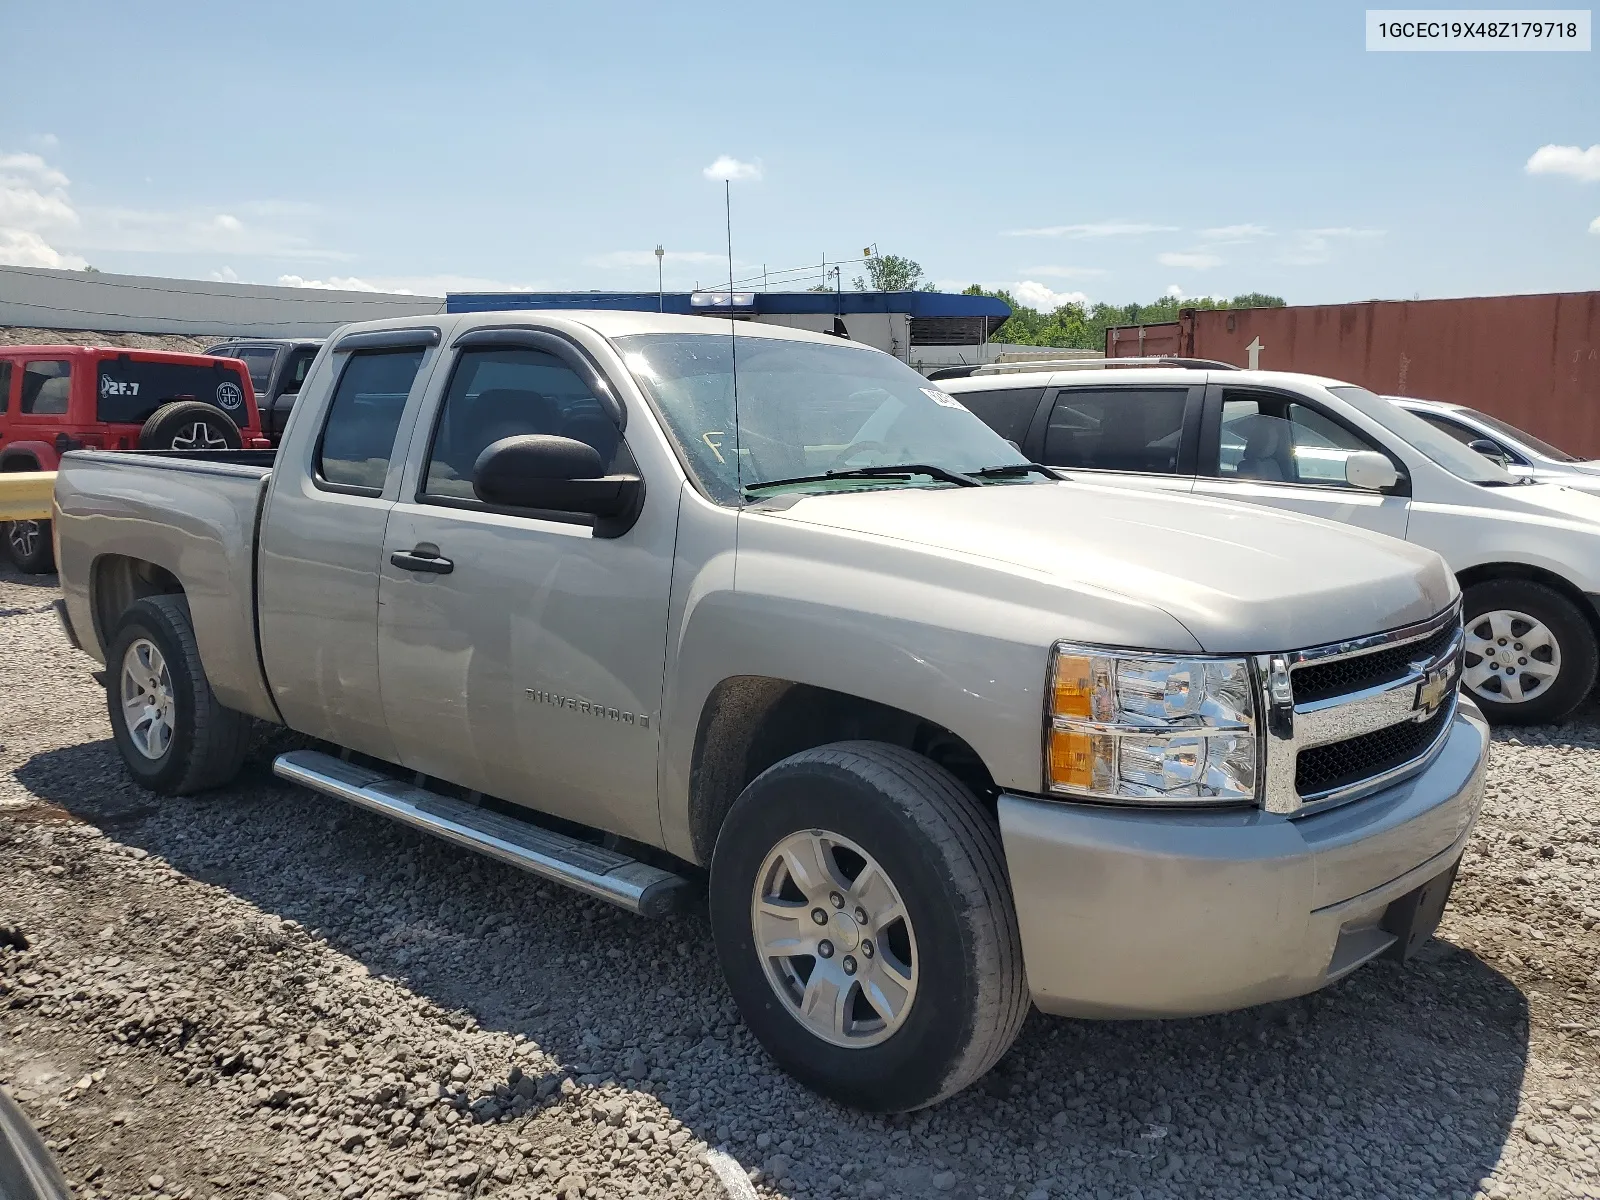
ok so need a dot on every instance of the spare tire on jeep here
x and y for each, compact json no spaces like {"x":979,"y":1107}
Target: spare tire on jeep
{"x":189,"y":425}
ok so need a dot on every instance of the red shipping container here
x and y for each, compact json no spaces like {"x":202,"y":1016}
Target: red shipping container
{"x":1531,"y":360}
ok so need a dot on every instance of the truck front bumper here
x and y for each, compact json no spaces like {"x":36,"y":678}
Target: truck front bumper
{"x":1131,"y":912}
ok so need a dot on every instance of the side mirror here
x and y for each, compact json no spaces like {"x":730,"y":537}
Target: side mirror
{"x":1490,"y":450}
{"x":558,"y":474}
{"x":1370,"y":470}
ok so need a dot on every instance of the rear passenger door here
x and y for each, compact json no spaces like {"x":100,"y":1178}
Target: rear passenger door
{"x":1127,"y":435}
{"x":335,"y":482}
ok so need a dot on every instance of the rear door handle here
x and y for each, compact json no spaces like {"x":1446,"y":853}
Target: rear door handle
{"x":424,"y":557}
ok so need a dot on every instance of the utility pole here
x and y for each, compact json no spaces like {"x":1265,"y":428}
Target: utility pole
{"x":661,"y":292}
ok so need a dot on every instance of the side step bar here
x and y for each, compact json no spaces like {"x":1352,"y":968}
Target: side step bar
{"x":633,"y":885}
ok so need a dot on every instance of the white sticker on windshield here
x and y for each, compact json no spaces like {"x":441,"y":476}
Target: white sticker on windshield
{"x":944,"y":399}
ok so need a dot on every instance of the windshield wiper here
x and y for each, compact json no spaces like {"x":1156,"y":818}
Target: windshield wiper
{"x":898,"y":471}
{"x":1010,"y":469}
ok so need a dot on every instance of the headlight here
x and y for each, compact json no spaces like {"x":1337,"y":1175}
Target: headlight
{"x":1150,"y":728}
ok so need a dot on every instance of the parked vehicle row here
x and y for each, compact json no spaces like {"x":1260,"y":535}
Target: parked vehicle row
{"x":54,"y":399}
{"x":1525,"y":554}
{"x":640,"y":603}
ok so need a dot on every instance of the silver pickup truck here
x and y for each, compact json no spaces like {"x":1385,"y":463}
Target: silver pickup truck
{"x":646,"y":603}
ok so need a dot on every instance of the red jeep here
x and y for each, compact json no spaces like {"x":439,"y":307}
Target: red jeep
{"x":59,"y":398}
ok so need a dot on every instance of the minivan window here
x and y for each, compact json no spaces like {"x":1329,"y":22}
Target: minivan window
{"x":1412,"y":429}
{"x":1271,"y":439}
{"x":500,"y":393}
{"x":364,"y":418}
{"x":1007,"y":411}
{"x":46,"y":387}
{"x":1116,"y":429}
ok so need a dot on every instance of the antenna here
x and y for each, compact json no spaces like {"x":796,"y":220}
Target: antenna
{"x":733,"y":336}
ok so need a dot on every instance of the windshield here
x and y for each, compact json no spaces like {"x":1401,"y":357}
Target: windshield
{"x":1440,"y":447}
{"x":1538,"y":445}
{"x":804,"y":409}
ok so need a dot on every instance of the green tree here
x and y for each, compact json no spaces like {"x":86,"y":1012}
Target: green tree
{"x":892,"y":273}
{"x":1083,"y":327}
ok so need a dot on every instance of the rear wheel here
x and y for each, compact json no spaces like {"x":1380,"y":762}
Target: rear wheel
{"x":864,"y":921}
{"x":1530,"y":655}
{"x":29,"y":546}
{"x":190,"y":425}
{"x":172,"y":732}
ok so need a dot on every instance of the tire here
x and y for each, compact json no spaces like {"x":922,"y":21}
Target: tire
{"x":1505,"y":616}
{"x":205,"y":743}
{"x":940,"y":853}
{"x":190,"y":425}
{"x":29,"y":546}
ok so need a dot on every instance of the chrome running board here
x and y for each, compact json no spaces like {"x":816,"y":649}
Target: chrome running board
{"x":633,"y":885}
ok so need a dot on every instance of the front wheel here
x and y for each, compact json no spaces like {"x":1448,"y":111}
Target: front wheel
{"x":1531,"y":655}
{"x":864,"y":921}
{"x":172,"y":732}
{"x":29,"y":546}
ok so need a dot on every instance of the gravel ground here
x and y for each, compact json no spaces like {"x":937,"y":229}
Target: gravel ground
{"x":17,"y":335}
{"x":262,"y":993}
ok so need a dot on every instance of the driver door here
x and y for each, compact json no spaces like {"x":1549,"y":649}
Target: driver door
{"x":1282,"y":451}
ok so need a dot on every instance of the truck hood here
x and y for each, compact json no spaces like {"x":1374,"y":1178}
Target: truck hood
{"x":1239,"y":578}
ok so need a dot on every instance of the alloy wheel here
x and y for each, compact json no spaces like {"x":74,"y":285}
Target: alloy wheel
{"x":835,"y":939}
{"x":148,"y":707}
{"x":24,"y":537}
{"x":199,"y":436}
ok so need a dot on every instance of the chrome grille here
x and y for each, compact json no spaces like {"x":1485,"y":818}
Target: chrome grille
{"x":1318,"y":681}
{"x":1347,"y":719}
{"x":1338,"y":765}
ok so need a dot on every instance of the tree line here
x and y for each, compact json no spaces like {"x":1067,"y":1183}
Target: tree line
{"x":1073,"y":325}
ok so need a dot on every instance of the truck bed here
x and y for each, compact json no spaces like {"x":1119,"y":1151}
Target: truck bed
{"x":192,"y":513}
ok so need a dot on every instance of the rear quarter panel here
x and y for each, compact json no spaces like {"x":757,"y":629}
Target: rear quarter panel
{"x":194,"y":520}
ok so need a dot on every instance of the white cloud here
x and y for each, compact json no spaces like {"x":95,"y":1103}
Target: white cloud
{"x":1063,"y":272}
{"x":24,"y":248}
{"x":1225,"y":234}
{"x":334,"y":283}
{"x":1594,"y":225}
{"x":226,"y":275}
{"x":1037,"y":295}
{"x":1097,"y":229}
{"x":1313,"y":247}
{"x":1176,"y":292}
{"x":34,"y":203}
{"x":1192,"y":260}
{"x":728,"y":167}
{"x":647,"y":258}
{"x":48,"y":140}
{"x":1581,"y":164}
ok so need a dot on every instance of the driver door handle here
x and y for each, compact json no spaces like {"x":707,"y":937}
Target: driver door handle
{"x":425,"y":558}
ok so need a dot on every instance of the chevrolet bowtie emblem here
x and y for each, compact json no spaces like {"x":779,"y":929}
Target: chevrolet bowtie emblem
{"x":1435,"y":688}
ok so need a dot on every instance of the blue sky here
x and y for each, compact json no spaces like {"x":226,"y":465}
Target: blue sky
{"x":1109,"y":151}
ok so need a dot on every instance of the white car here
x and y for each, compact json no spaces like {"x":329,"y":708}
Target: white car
{"x":1519,"y":452}
{"x":1526,"y":553}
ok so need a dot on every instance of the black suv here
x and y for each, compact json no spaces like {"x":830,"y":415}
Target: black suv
{"x":277,"y":368}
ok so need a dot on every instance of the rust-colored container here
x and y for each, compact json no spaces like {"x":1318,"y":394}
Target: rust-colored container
{"x":1531,"y":360}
